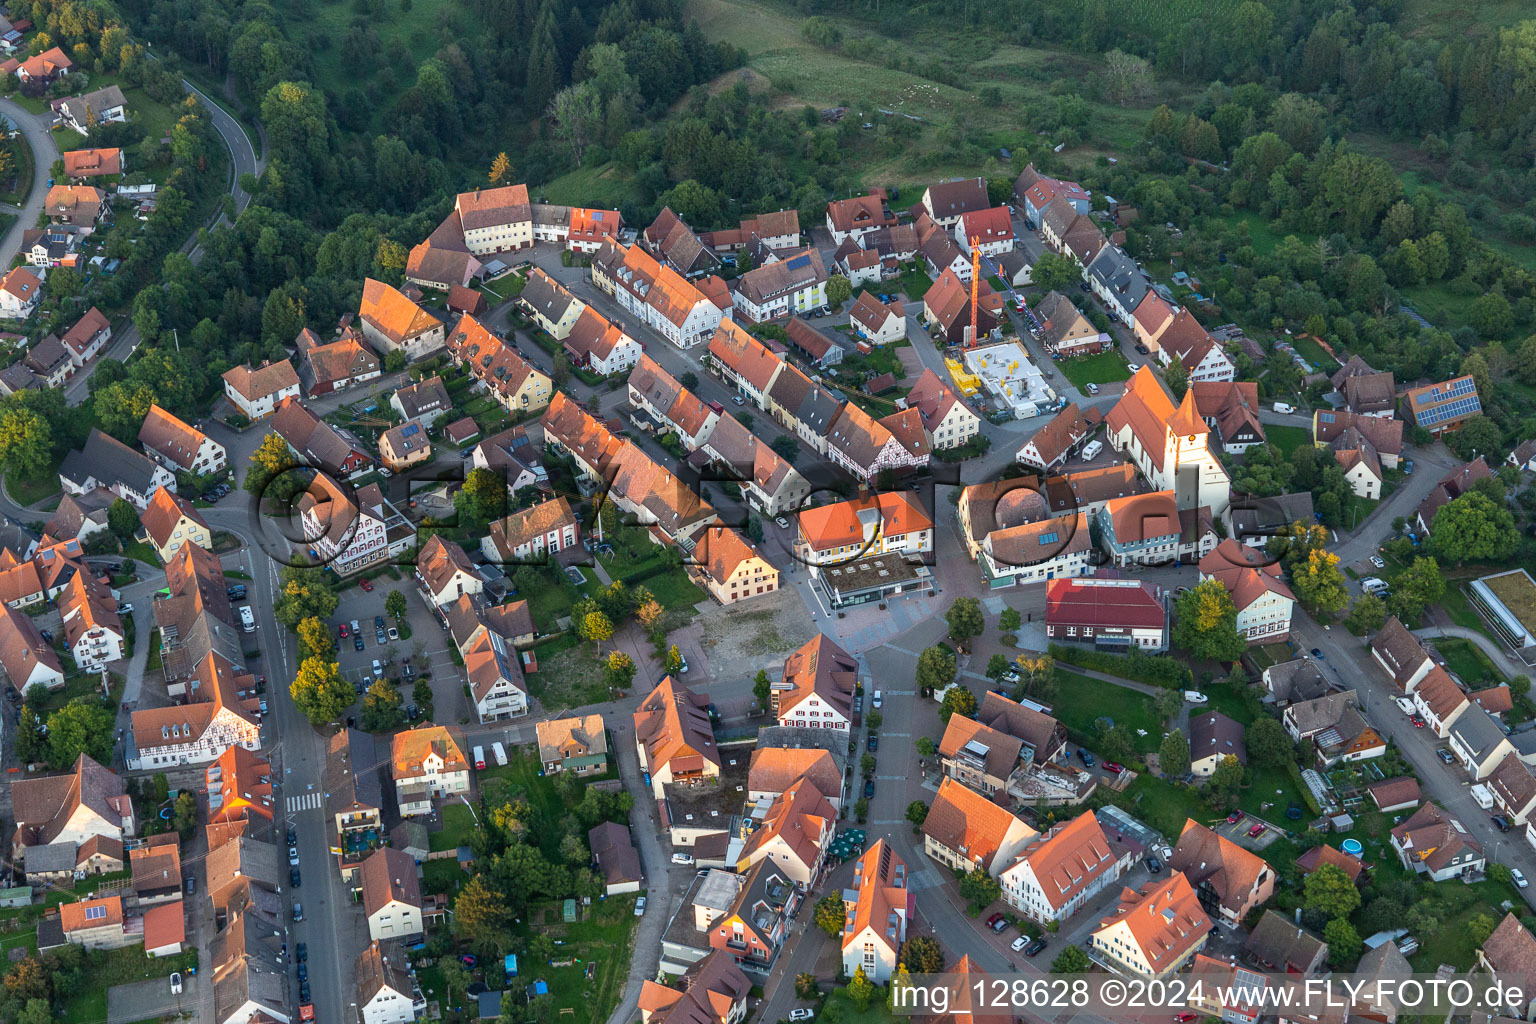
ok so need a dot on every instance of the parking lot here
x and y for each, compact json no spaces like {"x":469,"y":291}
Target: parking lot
{"x":152,"y":999}
{"x":427,"y":646}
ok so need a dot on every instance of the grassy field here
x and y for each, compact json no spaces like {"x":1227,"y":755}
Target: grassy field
{"x":1263,"y":237}
{"x":1453,"y":19}
{"x":1081,"y":699}
{"x":1287,"y":439}
{"x":1314,"y":353}
{"x":1101,"y":368}
{"x":458,"y":827}
{"x":592,"y":185}
{"x":600,"y":943}
{"x":914,"y":282}
{"x":21,"y":160}
{"x":1163,"y":805}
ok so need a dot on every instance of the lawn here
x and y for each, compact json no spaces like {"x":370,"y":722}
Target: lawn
{"x":1162,"y":804}
{"x":1467,"y":662}
{"x":21,"y":161}
{"x":570,"y":678}
{"x":458,"y":827}
{"x":442,"y":876}
{"x":1272,"y":786}
{"x":600,"y":944}
{"x":31,"y":489}
{"x":1308,"y":348}
{"x":914,"y":282}
{"x":1100,"y":368}
{"x":420,"y":26}
{"x":1081,"y":699}
{"x":601,"y":185}
{"x":846,"y":1013}
{"x":1287,"y":439}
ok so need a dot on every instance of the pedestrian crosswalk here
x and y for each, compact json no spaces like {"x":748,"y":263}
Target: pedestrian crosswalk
{"x":304,"y":802}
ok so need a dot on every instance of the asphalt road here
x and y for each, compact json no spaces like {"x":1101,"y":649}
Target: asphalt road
{"x":44,"y":153}
{"x":243,"y":160}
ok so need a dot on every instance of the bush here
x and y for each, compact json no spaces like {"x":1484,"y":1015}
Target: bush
{"x":1153,"y":669}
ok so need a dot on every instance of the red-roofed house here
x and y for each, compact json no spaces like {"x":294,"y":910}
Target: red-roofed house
{"x":991,"y":229}
{"x":1074,"y":862}
{"x":1107,"y":613}
{"x":729,"y":567}
{"x":1264,"y":603}
{"x":875,"y":920}
{"x":965,"y":831}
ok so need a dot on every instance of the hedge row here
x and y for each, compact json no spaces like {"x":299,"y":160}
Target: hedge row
{"x":1152,"y":669}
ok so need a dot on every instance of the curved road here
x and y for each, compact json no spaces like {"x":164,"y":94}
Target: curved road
{"x":243,"y":160}
{"x":44,"y":153}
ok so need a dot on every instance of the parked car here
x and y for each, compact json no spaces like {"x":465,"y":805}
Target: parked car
{"x":378,"y":637}
{"x":874,"y":743}
{"x":640,"y":907}
{"x":1195,"y":697}
{"x":1445,"y":755}
{"x":738,"y":400}
{"x":804,"y":1013}
{"x":1113,"y":767}
{"x":1518,"y":878}
{"x":1501,"y":823}
{"x":378,"y":622}
{"x":378,"y":669}
{"x":1418,"y":721}
{"x":1317,"y":653}
{"x":1378,"y":561}
{"x":367,"y":586}
{"x":1235,"y":817}
{"x":1019,"y":943}
{"x":342,"y":629}
{"x":1092,"y":388}
{"x":357,"y":642}
{"x":298,"y":912}
{"x":1154,"y":865}
{"x":682,"y":667}
{"x":175,"y":983}
{"x":191,"y":885}
{"x":301,"y":952}
{"x":879,"y":698}
{"x":293,"y":877}
{"x":293,"y":855}
{"x":869,"y":788}
{"x":782,"y":522}
{"x":682,"y":858}
{"x":1085,"y":757}
{"x":303,"y":972}
{"x":394,"y":634}
{"x":1035,"y":947}
{"x":998,"y":924}
{"x":304,"y":994}
{"x":1257,"y":830}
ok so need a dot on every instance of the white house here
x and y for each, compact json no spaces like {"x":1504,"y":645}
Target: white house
{"x":391,"y":894}
{"x":350,"y":532}
{"x":257,"y":392}
{"x":19,"y":291}
{"x":387,"y":992}
{"x":796,"y":284}
{"x":966,"y":831}
{"x":428,"y":762}
{"x":1055,"y":876}
{"x":197,"y":733}
{"x":877,"y":910}
{"x":878,"y":323}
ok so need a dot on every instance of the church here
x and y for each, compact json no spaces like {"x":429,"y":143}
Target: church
{"x":1170,"y":446}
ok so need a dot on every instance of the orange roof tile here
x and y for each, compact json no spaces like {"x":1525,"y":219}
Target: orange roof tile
{"x":892,"y":513}
{"x":393,"y":314}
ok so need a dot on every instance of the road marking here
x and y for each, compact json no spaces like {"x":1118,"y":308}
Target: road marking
{"x":897,"y":735}
{"x":304,"y":802}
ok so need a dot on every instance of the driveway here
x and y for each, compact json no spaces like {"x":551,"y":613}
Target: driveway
{"x":152,"y":999}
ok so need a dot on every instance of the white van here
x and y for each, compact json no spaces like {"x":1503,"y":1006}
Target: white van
{"x":1373,"y":585}
{"x":1091,"y":450}
{"x":479,"y":758}
{"x":247,"y":619}
{"x":1282,"y":407}
{"x":499,"y":752}
{"x":879,"y":698}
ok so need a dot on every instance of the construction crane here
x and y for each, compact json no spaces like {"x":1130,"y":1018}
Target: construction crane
{"x":975,"y":284}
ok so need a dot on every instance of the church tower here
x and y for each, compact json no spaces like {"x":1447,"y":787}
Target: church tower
{"x":1196,"y":476}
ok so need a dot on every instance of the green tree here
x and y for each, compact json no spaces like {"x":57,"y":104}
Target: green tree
{"x":1071,"y":960}
{"x":1173,"y":754}
{"x":83,"y":726}
{"x":319,"y":691}
{"x":965,"y":621}
{"x":806,"y":985}
{"x":958,"y":701}
{"x":924,"y":746}
{"x":922,"y":954}
{"x":1056,"y":272}
{"x":861,"y":991}
{"x":1178,"y":379}
{"x":596,"y":627}
{"x":1224,"y":781}
{"x":270,"y":459}
{"x":383,"y":708}
{"x":302,"y":594}
{"x":1417,"y":587}
{"x":1329,"y":891}
{"x":1344,"y":943}
{"x":762,"y":689}
{"x":26,"y":440}
{"x":1168,"y":704}
{"x":618,"y":670}
{"x":481,"y":501}
{"x":998,"y":666}
{"x":917,"y":811}
{"x":184,"y":814}
{"x":936,"y":668}
{"x":481,"y":915}
{"x":980,"y":890}
{"x":785,"y":448}
{"x":315,"y":640}
{"x":395,"y":607}
{"x":1010,"y":620}
{"x":122,"y":519}
{"x":867,"y":765}
{"x":830,"y":914}
{"x":1318,"y":583}
{"x":421,"y":696}
{"x":36,"y":1011}
{"x":1205,"y":623}
{"x":1366,"y":614}
{"x":839,"y":290}
{"x":1268,"y":744}
{"x":1479,"y":927}
{"x":1472,"y":528}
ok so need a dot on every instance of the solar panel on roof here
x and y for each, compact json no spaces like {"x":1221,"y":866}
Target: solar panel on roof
{"x":798,"y":262}
{"x":410,"y":429}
